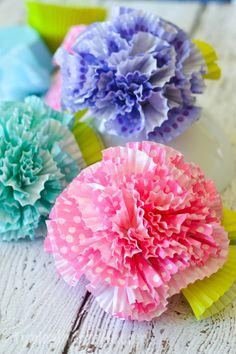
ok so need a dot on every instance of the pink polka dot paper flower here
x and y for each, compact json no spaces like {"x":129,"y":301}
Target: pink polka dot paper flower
{"x":140,"y":225}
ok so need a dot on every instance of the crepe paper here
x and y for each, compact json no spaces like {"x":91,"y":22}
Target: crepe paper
{"x":141,"y":225}
{"x":53,"y":97}
{"x":210,"y":56}
{"x":25,"y":63}
{"x":138,"y":74}
{"x":53,"y":21}
{"x":229,"y":223}
{"x":209,"y":296}
{"x":39,"y":156}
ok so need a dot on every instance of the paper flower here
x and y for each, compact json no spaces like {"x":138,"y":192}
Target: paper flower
{"x":209,"y":296}
{"x":39,"y":156}
{"x":25,"y":63}
{"x":53,"y":97}
{"x":138,"y":74}
{"x":71,"y":37}
{"x":140,"y":225}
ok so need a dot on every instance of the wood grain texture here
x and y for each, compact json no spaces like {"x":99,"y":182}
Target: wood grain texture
{"x":37,"y":308}
{"x":175,"y":332}
{"x":39,"y":313}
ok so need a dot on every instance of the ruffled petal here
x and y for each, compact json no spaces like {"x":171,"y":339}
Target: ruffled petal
{"x":39,"y":157}
{"x":209,"y":296}
{"x":140,"y":225}
{"x":155,"y":110}
{"x":178,"y":121}
{"x":116,"y":67}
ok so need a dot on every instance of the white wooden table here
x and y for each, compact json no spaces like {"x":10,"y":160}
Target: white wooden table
{"x":39,"y":313}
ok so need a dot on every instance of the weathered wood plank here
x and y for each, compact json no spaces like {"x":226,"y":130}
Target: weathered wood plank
{"x":174,"y":332}
{"x":37,"y":308}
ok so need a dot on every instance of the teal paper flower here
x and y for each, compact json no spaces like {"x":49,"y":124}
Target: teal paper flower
{"x":38,"y":158}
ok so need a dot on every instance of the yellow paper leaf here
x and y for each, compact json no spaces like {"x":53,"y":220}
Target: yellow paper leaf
{"x":211,"y":295}
{"x":210,"y":56}
{"x":88,"y":140}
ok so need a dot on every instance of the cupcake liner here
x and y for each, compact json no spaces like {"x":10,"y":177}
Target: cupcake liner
{"x":64,"y":118}
{"x":121,"y":301}
{"x":25,"y":37}
{"x":66,"y":142}
{"x":222,"y":303}
{"x":71,"y":37}
{"x":86,"y":230}
{"x":196,"y":273}
{"x":69,"y":268}
{"x":88,"y":140}
{"x":63,"y":266}
{"x":127,"y":50}
{"x":210,"y":56}
{"x":35,"y":128}
{"x":53,"y":21}
{"x":25,"y":63}
{"x":195,"y":60}
{"x":53,"y":96}
{"x":209,"y":296}
{"x":229,"y":223}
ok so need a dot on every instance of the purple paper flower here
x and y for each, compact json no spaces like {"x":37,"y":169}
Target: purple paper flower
{"x":137,"y":73}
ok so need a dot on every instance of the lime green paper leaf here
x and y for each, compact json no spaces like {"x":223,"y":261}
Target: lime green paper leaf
{"x":211,"y":295}
{"x":53,"y":20}
{"x":210,"y":56}
{"x":229,"y":223}
{"x":88,"y":140}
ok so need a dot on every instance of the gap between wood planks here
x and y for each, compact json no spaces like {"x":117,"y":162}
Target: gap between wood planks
{"x":81,"y":313}
{"x":84,"y":307}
